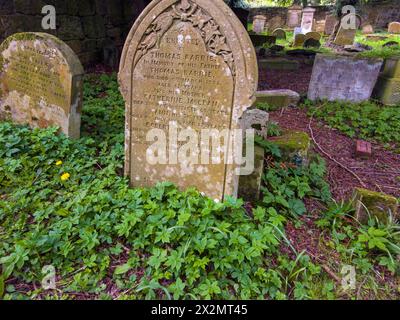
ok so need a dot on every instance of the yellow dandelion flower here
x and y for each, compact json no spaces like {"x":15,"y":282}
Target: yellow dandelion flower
{"x":65,"y":177}
{"x":59,"y":163}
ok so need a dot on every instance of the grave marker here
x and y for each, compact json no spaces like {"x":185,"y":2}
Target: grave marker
{"x":186,"y":64}
{"x":307,"y":22}
{"x":40,"y":82}
{"x":394,"y":27}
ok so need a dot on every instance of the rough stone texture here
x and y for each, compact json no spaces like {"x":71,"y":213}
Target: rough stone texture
{"x":345,"y":37}
{"x":40,"y":82}
{"x":375,"y":205}
{"x":77,"y":22}
{"x":279,"y":64}
{"x":277,"y":99}
{"x":343,"y":78}
{"x":299,"y":40}
{"x":259,"y":24}
{"x":279,"y":33}
{"x":307,"y":21}
{"x":294,"y":146}
{"x":363,"y":149}
{"x":312,"y":43}
{"x":250,"y":185}
{"x":394,"y":27}
{"x":256,"y":119}
{"x":313,"y":35}
{"x":387,"y":88}
{"x":193,"y":64}
{"x":330,"y":24}
{"x":294,"y":16}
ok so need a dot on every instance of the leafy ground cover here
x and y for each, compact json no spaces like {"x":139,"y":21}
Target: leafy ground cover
{"x":65,"y":203}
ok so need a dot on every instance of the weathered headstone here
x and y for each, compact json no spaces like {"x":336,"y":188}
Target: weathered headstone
{"x":345,"y":37}
{"x":294,"y":16}
{"x":40,"y":82}
{"x":313,"y":35}
{"x":259,"y":40}
{"x":367,"y":29}
{"x":299,"y":40}
{"x":279,"y":33}
{"x":190,"y":65}
{"x":394,"y":27}
{"x":311,"y":43}
{"x":307,"y":22}
{"x":259,"y":23}
{"x":387,"y":88}
{"x":343,"y":78}
{"x":330,"y":24}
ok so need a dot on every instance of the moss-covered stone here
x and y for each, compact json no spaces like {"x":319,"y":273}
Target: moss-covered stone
{"x":391,"y":68}
{"x":294,"y":145}
{"x":250,"y":185}
{"x":387,"y":91}
{"x":276,"y":99}
{"x":375,"y":204}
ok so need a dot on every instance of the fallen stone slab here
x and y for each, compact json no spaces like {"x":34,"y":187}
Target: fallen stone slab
{"x":277,"y":99}
{"x":373,"y":204}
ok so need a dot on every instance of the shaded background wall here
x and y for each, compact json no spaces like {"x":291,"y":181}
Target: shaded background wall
{"x":95,"y":29}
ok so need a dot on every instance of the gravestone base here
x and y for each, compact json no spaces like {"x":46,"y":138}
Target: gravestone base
{"x":250,"y":186}
{"x":259,"y":40}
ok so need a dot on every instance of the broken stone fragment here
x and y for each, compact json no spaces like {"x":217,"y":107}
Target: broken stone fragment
{"x":277,"y":99}
{"x":294,"y":146}
{"x":256,"y":119}
{"x":373,"y":204}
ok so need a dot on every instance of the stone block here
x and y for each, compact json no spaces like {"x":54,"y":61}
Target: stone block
{"x":279,"y":33}
{"x":279,"y":64}
{"x":391,"y":68}
{"x":277,"y":99}
{"x":394,"y":27}
{"x":387,"y":91}
{"x":294,"y":146}
{"x":363,"y":149}
{"x":250,"y":185}
{"x":343,"y":78}
{"x":373,"y":204}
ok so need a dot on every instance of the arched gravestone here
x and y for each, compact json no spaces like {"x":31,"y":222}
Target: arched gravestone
{"x":40,"y":82}
{"x":189,"y":63}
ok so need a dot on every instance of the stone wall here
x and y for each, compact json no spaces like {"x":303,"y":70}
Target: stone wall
{"x":377,"y":14}
{"x":95,"y":29}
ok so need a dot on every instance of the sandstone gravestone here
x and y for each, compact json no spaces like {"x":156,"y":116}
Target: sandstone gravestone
{"x":299,"y":40}
{"x":394,"y":27}
{"x":345,"y":37}
{"x":40,"y":82}
{"x":307,"y":22}
{"x":343,"y":78}
{"x":279,"y":33}
{"x":313,"y":35}
{"x":330,"y":24}
{"x":294,"y":16}
{"x":387,"y":88}
{"x":259,"y":23}
{"x":185,"y":65}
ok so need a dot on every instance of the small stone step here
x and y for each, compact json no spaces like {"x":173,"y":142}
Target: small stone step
{"x":363,"y":149}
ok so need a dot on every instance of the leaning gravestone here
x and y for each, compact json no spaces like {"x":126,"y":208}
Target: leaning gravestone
{"x":343,"y":78}
{"x":345,"y":37}
{"x":40,"y":82}
{"x":186,"y":65}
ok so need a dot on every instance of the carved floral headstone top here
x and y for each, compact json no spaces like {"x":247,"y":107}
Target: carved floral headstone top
{"x":187,"y":65}
{"x":40,"y":82}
